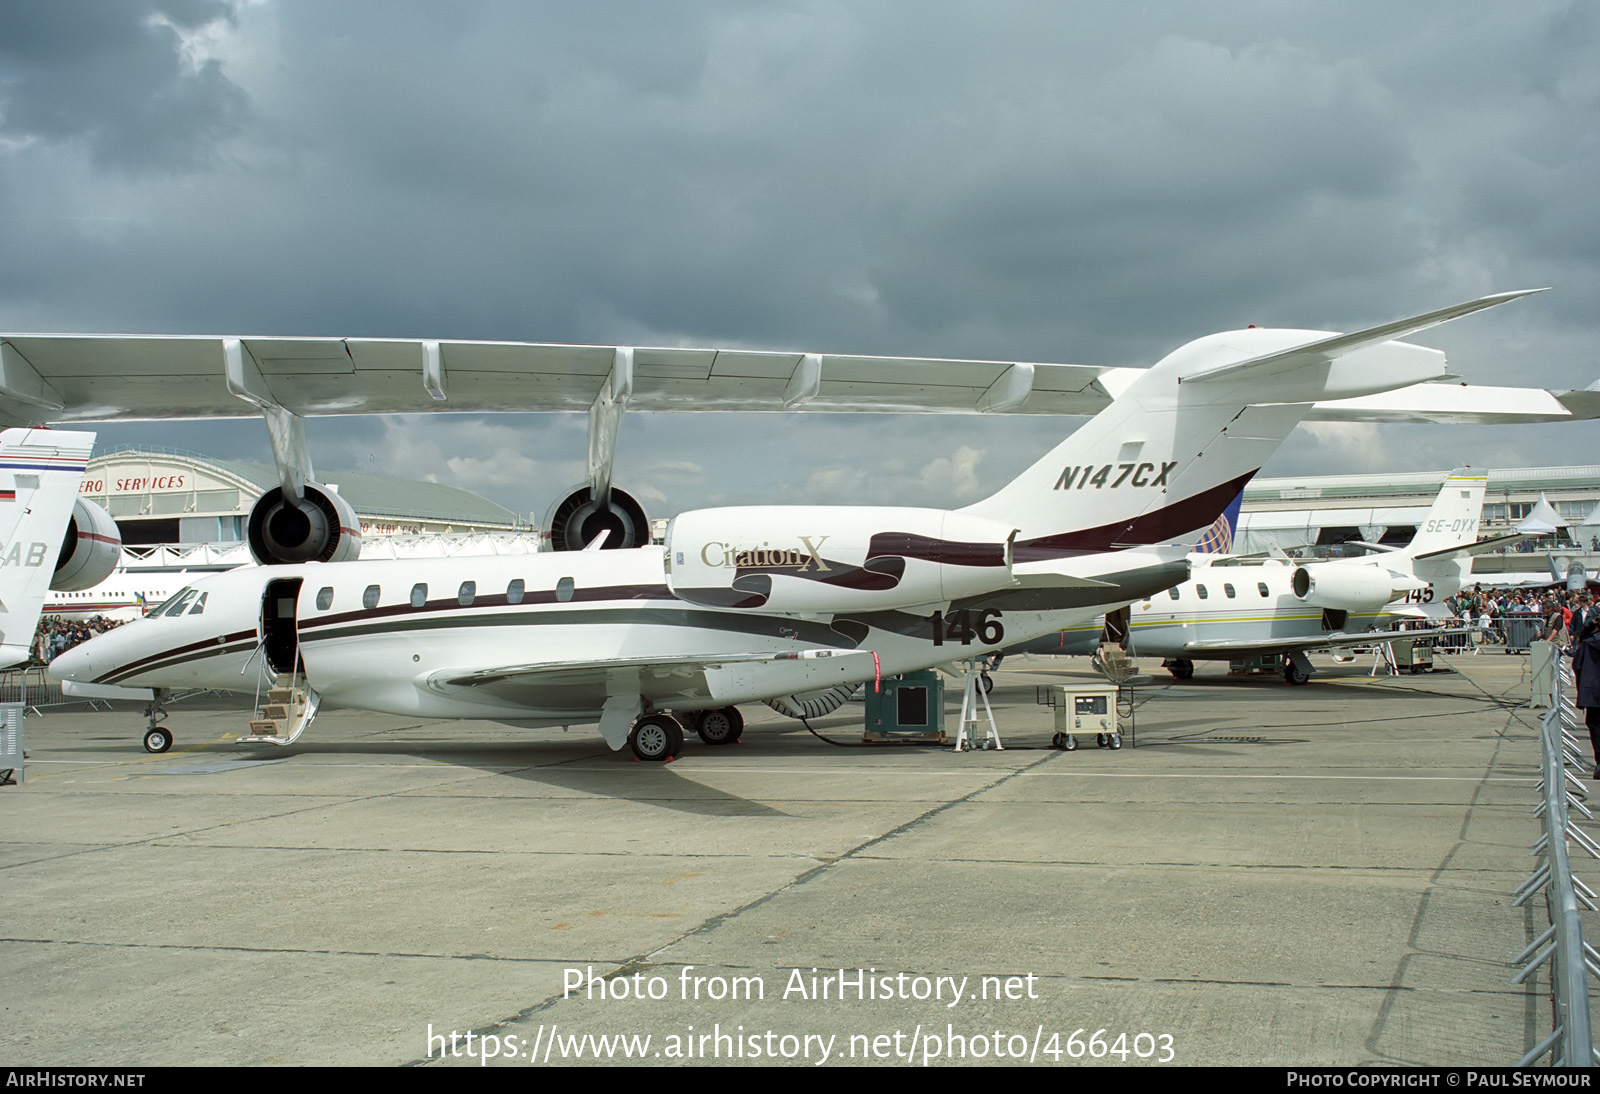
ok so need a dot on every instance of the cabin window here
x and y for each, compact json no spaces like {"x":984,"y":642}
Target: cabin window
{"x":1201,"y":589}
{"x":1173,"y":592}
{"x":564,"y":589}
{"x":467,"y":593}
{"x":369,"y":598}
{"x":1261,"y":587}
{"x":324,"y":598}
{"x":419,"y":594}
{"x":1228,"y":591}
{"x":514,"y":591}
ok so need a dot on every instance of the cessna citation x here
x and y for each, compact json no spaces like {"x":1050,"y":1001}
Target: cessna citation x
{"x":49,"y":537}
{"x":759,"y":603}
{"x":1232,"y":608}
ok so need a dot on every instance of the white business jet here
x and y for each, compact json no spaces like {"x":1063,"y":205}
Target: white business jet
{"x":1239,"y":607}
{"x":49,"y":537}
{"x":748,"y":604}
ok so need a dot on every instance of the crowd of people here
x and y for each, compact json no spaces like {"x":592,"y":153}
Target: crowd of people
{"x":56,"y":635}
{"x":1556,"y":616}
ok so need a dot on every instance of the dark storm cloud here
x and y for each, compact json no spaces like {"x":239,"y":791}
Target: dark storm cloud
{"x":114,"y":76}
{"x":1089,"y":182}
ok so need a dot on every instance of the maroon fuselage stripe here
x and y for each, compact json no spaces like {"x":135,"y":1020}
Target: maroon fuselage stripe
{"x":1159,"y":526}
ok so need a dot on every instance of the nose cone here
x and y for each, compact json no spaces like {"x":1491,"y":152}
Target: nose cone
{"x":76,"y":664}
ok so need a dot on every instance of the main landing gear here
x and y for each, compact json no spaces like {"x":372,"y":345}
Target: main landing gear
{"x":723,"y":726}
{"x":659,"y":737}
{"x":656,"y":737}
{"x":1294,"y":674}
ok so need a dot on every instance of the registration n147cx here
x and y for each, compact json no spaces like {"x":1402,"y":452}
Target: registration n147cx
{"x":768,"y":602}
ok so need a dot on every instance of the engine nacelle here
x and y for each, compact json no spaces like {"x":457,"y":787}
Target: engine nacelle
{"x":91,"y":550}
{"x":574,"y":521}
{"x":832,"y":559}
{"x":320,"y":528}
{"x":1347,"y":588}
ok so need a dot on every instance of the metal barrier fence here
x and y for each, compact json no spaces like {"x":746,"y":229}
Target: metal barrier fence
{"x":1571,"y":1042}
{"x":29,"y":687}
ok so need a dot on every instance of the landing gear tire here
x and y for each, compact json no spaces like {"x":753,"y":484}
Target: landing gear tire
{"x":157,"y":740}
{"x":1181,"y":669}
{"x":1294,"y":674}
{"x":723,"y":726}
{"x":985,"y":682}
{"x":656,"y":738}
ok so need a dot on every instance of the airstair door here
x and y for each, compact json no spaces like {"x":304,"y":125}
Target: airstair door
{"x":280,"y":638}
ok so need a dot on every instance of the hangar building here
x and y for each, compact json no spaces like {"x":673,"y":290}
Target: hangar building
{"x":1325,"y":511}
{"x":161,"y":498}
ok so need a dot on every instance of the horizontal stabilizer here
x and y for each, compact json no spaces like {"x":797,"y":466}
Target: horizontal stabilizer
{"x":1328,"y":349}
{"x":1478,"y":548}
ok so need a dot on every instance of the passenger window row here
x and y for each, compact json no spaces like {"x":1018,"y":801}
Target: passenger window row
{"x":466,"y":595}
{"x":1227,"y":590}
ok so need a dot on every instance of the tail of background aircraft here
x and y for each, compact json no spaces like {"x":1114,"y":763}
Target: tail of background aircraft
{"x":1218,"y":539}
{"x":1452,"y":520}
{"x":39,"y":474}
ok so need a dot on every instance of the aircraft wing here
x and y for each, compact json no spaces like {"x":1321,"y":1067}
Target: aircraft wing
{"x":1337,"y":640}
{"x":86,"y":378}
{"x":660,"y":680}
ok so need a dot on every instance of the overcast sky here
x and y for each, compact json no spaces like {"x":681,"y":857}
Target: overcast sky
{"x":1086,"y":182}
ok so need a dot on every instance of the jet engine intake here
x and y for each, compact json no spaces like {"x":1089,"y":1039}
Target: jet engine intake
{"x":91,"y":550}
{"x":321,"y":527}
{"x":830,"y":559}
{"x":576,"y":519}
{"x":1350,"y":588}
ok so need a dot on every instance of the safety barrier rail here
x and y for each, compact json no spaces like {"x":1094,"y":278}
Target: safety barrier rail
{"x":29,"y":687}
{"x":1571,"y":1042}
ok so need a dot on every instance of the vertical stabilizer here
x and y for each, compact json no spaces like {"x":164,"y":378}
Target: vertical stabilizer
{"x":40,"y":470}
{"x":1183,"y":439}
{"x":1452,"y":521}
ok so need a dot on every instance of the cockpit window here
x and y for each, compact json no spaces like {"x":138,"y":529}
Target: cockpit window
{"x":178,"y":604}
{"x":199,"y":605}
{"x":161,"y":608}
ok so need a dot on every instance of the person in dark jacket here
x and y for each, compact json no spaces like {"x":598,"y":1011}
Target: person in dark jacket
{"x":1586,"y":671}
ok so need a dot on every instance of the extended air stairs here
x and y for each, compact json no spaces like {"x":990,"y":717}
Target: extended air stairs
{"x":289,"y":707}
{"x":1113,"y":661}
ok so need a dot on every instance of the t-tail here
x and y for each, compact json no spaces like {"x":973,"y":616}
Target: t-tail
{"x":1434,"y":565}
{"x":40,"y":470}
{"x":1182,"y":440}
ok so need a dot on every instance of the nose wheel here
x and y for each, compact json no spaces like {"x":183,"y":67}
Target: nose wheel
{"x":157,"y":738}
